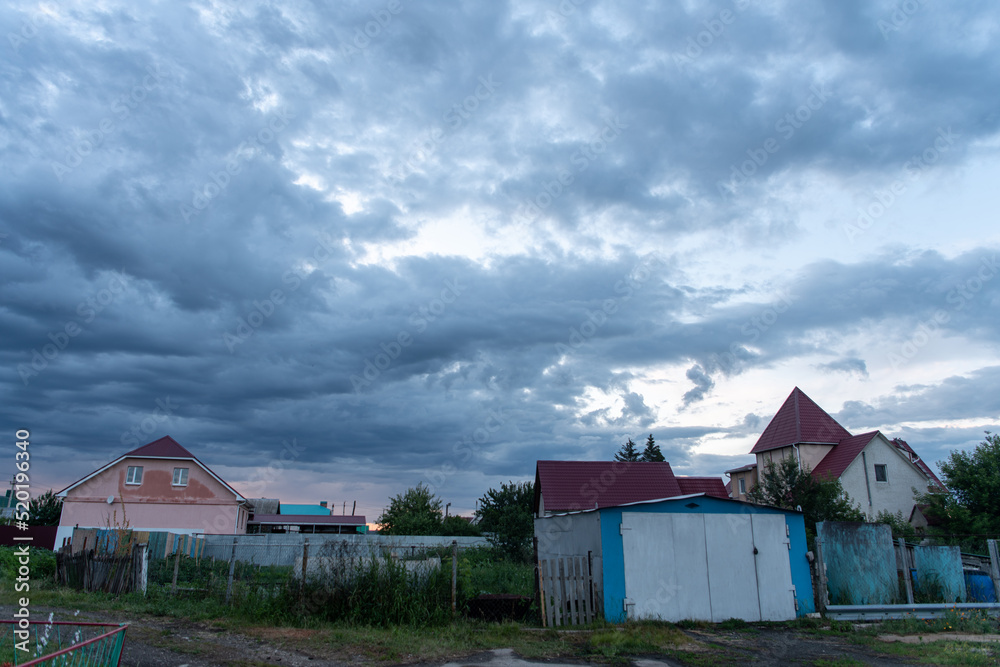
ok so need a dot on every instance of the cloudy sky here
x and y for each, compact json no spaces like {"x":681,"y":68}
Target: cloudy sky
{"x":336,"y":249}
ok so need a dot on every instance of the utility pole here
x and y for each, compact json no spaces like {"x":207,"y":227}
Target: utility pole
{"x":446,"y":510}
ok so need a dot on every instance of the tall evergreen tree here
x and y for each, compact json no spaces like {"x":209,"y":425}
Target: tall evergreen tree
{"x":627,"y":452}
{"x":652,"y":451}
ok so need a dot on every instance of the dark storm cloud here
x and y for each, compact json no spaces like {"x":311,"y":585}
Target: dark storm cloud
{"x":234,"y":165}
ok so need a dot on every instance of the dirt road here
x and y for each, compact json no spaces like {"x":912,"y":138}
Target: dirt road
{"x":168,"y":642}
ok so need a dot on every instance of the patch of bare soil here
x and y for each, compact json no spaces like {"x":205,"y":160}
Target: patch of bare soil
{"x":939,"y":637}
{"x":769,"y":646}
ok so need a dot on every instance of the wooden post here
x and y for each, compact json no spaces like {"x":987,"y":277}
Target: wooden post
{"x":232,"y":570}
{"x":537,"y":582}
{"x":543,"y":608}
{"x":454,"y":576}
{"x":904,"y":556}
{"x":305,"y":563}
{"x":824,"y":594}
{"x":994,"y":551}
{"x":177,"y":565}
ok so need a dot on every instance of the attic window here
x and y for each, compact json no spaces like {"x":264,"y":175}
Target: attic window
{"x":691,"y":505}
{"x":134,"y":475}
{"x":180,"y":477}
{"x":881,"y":475}
{"x":743,"y":486}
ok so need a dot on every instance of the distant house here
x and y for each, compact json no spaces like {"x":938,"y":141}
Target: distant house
{"x":571,"y":486}
{"x":877,"y":473}
{"x":268,"y":515}
{"x":160,"y":486}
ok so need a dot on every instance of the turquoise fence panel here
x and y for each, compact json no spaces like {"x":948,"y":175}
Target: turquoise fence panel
{"x":939,"y":573}
{"x":860,"y":562}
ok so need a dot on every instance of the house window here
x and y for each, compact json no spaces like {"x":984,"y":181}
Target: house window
{"x":180,"y":477}
{"x":134,"y":475}
{"x":881,"y":475}
{"x":743,"y":486}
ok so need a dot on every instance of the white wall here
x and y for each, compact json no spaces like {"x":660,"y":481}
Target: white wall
{"x":893,"y":495}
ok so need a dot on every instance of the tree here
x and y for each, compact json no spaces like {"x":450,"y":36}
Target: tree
{"x":974,"y":478}
{"x":785,"y":484}
{"x":416,"y":512}
{"x":652,"y":451}
{"x":506,"y":515}
{"x":627,"y":452}
{"x":45,"y":510}
{"x":967,"y":513}
{"x":456,"y":525}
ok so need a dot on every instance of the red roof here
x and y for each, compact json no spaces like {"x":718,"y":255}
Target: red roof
{"x":798,"y":421}
{"x":917,"y":461}
{"x":836,"y":461}
{"x":570,"y":486}
{"x":164,"y":448}
{"x":710,"y":486}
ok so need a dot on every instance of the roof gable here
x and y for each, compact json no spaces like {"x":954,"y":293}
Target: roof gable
{"x":800,"y":420}
{"x":912,"y":456}
{"x":576,"y":485}
{"x":836,"y":461}
{"x":710,"y":486}
{"x":164,"y":448}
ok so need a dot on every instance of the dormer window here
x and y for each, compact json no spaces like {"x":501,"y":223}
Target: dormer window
{"x":134,"y":475}
{"x":180,"y":477}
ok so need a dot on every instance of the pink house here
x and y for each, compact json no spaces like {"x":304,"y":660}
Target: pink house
{"x":158,"y":487}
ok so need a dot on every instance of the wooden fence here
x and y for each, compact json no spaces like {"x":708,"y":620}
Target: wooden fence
{"x":567,"y":592}
{"x":91,"y":571}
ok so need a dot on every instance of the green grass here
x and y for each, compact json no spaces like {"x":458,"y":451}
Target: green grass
{"x":973,"y":621}
{"x":843,"y":661}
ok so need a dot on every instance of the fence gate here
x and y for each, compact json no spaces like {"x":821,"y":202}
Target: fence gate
{"x":567,"y":591}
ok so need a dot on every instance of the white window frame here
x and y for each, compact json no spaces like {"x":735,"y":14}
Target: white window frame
{"x":130,"y":476}
{"x":743,"y":486}
{"x":184,"y":477}
{"x":885,"y":473}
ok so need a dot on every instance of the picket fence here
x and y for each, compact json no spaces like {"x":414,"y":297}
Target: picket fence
{"x":567,"y":592}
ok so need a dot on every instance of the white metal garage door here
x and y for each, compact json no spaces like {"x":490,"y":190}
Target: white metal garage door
{"x":703,"y":567}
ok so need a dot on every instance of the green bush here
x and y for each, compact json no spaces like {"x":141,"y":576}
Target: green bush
{"x":43,"y":564}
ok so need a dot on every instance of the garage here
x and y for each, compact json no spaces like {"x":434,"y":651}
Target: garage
{"x":692,"y":557}
{"x":709,"y":567}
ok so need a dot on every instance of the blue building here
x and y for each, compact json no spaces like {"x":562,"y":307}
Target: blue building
{"x":693,"y":557}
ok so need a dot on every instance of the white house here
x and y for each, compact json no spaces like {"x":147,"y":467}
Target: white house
{"x":877,"y":473}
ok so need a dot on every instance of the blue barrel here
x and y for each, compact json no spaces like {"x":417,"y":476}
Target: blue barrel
{"x":979,"y":587}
